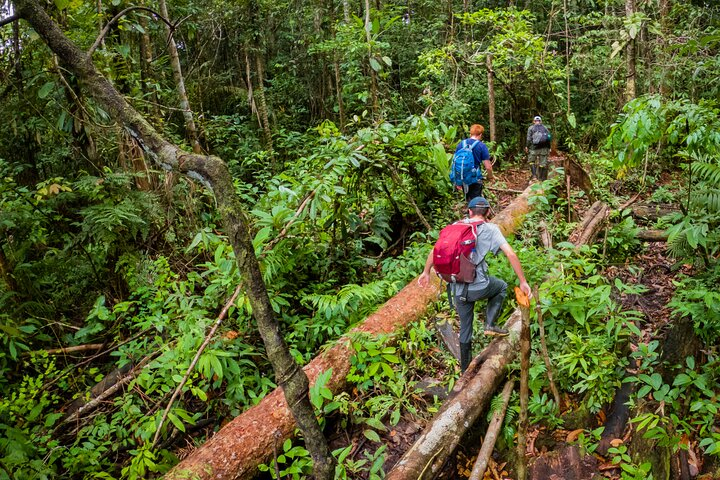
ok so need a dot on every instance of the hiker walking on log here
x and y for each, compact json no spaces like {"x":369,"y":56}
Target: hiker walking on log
{"x":537,"y":146}
{"x":470,"y":156}
{"x":479,"y":285}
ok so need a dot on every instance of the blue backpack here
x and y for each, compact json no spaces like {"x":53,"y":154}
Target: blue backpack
{"x":463,"y":170}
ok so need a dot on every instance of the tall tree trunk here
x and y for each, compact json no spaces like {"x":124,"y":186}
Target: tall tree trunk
{"x":262,"y":103}
{"x":373,"y":74}
{"x":450,"y":21}
{"x":491,"y":96}
{"x":99,"y":8}
{"x":5,"y":272}
{"x":346,"y":10}
{"x":17,"y":58}
{"x":339,"y":92}
{"x":190,"y":128}
{"x":665,"y":31}
{"x":567,"y":55}
{"x":630,"y":58}
{"x":212,"y":172}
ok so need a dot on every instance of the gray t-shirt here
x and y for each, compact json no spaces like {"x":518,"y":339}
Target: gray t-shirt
{"x":489,"y":239}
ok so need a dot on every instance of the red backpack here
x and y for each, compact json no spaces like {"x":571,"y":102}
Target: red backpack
{"x":451,"y":254}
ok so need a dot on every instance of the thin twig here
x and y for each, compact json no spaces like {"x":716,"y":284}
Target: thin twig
{"x":66,"y":350}
{"x":208,"y":337}
{"x":106,"y":29}
{"x":285,"y":229}
{"x":95,"y":402}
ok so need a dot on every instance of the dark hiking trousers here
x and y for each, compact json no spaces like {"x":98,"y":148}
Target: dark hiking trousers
{"x":473,"y":190}
{"x":495,"y":292}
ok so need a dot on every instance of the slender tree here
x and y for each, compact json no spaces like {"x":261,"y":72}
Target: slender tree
{"x":190,"y":127}
{"x":491,"y":96}
{"x":630,"y":56}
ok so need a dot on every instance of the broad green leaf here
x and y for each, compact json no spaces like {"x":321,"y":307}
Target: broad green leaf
{"x":46,"y":89}
{"x":571,"y":119}
{"x":372,"y":435}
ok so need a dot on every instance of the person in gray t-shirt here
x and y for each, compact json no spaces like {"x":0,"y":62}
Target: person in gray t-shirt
{"x":485,"y":286}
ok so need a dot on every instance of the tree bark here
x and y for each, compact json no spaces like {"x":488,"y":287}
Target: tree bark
{"x":6,"y":272}
{"x":247,"y":441}
{"x":262,"y":102}
{"x":521,"y":466}
{"x":653,"y":235}
{"x":652,"y":212}
{"x":491,"y":435}
{"x":592,"y":223}
{"x":578,"y":176}
{"x":212,"y":172}
{"x":448,"y":335}
{"x":180,"y":84}
{"x":491,"y":97}
{"x":630,"y":58}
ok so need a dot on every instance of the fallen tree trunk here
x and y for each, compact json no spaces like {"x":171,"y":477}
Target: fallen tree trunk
{"x":652,"y":235}
{"x":592,"y":223}
{"x":491,"y":435}
{"x":652,"y":212}
{"x":440,"y":438}
{"x":578,"y":175}
{"x":449,"y":336}
{"x":471,"y":394}
{"x":247,"y":441}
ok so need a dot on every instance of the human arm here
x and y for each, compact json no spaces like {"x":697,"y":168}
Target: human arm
{"x":482,"y":156}
{"x":424,"y":278}
{"x":488,"y":169}
{"x":528,"y":137}
{"x":515,"y":264}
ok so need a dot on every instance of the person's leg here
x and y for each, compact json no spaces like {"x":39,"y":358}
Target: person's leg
{"x":542,"y":164}
{"x":473,"y":190}
{"x":465,"y":310}
{"x":533,"y":159}
{"x":495,"y":292}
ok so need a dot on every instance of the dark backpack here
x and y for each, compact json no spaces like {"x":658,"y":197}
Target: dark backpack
{"x":451,"y":254}
{"x":463,"y":170}
{"x":540,"y":136}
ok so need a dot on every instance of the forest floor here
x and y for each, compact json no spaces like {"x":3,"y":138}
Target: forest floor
{"x":551,"y":450}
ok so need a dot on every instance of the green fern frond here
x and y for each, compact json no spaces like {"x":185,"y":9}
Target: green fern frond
{"x":678,"y":245}
{"x":705,"y":171}
{"x":706,"y":200}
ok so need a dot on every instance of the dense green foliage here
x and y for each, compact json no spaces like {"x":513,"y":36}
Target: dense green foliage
{"x":101,"y":250}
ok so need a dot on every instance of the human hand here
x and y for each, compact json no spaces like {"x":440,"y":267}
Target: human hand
{"x":424,"y":279}
{"x":526,"y":289}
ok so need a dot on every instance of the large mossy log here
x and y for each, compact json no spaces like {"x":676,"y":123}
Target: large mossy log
{"x":247,"y":441}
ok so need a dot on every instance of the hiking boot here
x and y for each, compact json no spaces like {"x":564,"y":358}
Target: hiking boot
{"x":495,"y":331}
{"x":465,"y":355}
